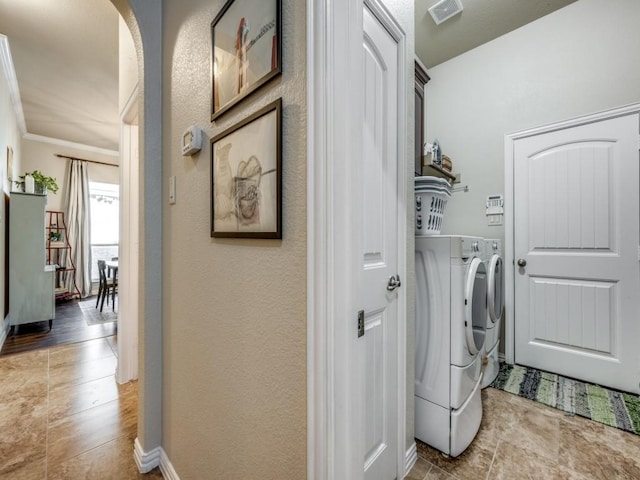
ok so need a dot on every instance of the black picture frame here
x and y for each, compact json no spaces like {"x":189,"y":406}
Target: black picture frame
{"x":246,"y":177}
{"x":246,"y":51}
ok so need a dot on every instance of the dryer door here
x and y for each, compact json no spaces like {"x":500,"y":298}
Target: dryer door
{"x":495,"y":288}
{"x":475,"y":305}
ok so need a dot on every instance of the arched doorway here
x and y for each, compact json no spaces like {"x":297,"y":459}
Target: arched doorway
{"x":144,"y":20}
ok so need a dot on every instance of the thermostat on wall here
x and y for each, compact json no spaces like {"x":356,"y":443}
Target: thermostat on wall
{"x":191,"y":140}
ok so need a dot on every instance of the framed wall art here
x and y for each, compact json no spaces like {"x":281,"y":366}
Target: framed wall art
{"x":246,"y":50}
{"x":9,"y":164}
{"x":246,"y":177}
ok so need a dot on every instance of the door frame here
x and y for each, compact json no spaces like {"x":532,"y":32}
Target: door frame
{"x":509,"y":232}
{"x":331,"y":271}
{"x":127,"y":368}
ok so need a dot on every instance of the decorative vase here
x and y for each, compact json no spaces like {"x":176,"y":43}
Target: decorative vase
{"x":29,"y":184}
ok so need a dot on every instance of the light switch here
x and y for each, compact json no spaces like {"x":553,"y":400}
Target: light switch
{"x":172,"y":190}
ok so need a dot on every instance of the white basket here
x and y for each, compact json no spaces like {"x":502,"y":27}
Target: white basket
{"x":430,"y":207}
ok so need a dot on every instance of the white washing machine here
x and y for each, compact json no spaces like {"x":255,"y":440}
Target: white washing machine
{"x":451,"y":315}
{"x":495,"y":308}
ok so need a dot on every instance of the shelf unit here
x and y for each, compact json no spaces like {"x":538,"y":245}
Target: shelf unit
{"x":59,"y":254}
{"x":436,"y":171}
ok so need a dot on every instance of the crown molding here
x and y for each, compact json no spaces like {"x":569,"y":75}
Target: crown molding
{"x":6,"y":61}
{"x":65,"y":143}
{"x":12,"y":81}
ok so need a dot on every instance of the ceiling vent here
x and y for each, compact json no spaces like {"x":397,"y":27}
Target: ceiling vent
{"x":444,"y":10}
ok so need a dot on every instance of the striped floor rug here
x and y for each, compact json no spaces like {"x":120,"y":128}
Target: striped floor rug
{"x":611,"y":407}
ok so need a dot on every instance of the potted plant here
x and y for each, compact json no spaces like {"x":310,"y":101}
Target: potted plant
{"x":42,"y":182}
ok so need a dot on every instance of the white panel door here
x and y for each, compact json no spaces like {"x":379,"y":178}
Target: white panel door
{"x":576,"y":237}
{"x":379,"y":254}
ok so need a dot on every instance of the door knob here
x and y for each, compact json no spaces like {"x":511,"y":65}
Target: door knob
{"x":522,"y":262}
{"x":394,"y":282}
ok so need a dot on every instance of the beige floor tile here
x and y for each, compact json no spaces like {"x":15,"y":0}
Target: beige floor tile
{"x":113,"y":343}
{"x":111,"y":461}
{"x":70,"y":374}
{"x":80,"y":352}
{"x":514,"y":463}
{"x":23,"y":376}
{"x":534,"y":427}
{"x":64,"y":401}
{"x":91,"y":428}
{"x":24,"y":434}
{"x":436,"y":473}
{"x":31,"y":469}
{"x":472,"y":464}
{"x":419,"y":470}
{"x":598,"y":451}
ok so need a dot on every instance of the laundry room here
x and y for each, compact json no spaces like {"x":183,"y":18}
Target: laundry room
{"x":578,"y":60}
{"x":571,"y":77}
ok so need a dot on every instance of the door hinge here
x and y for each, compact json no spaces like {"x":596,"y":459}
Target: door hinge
{"x":639,"y":253}
{"x":360,"y":323}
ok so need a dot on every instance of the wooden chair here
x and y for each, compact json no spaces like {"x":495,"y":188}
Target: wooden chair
{"x":107,"y":287}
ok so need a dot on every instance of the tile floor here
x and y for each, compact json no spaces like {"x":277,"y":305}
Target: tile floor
{"x":63,"y":416}
{"x":522,"y":439}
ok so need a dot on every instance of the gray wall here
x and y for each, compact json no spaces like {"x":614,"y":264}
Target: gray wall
{"x":579,"y":60}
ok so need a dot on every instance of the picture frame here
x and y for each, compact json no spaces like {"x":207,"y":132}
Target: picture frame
{"x":246,"y":177}
{"x":246,"y":50}
{"x":9,"y":163}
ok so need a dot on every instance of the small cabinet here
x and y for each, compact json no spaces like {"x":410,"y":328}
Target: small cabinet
{"x":31,"y":281}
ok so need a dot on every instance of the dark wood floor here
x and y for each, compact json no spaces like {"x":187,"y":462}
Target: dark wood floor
{"x":69,"y":326}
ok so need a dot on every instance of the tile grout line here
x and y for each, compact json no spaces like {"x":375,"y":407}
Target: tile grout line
{"x":46,"y":441}
{"x":493,"y":458}
{"x":428,"y":470}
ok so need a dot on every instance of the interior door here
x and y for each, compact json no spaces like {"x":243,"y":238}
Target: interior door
{"x":379,"y":254}
{"x":576,"y":229}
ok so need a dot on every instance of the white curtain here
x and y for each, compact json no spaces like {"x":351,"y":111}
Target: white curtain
{"x":78,"y":225}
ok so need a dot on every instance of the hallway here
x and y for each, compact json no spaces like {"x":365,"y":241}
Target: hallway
{"x":63,"y":416}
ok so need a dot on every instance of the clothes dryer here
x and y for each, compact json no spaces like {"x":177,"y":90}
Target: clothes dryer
{"x":451,"y":313}
{"x":495,"y":308}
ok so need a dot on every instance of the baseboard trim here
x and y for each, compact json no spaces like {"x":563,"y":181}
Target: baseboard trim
{"x":168,"y":472}
{"x":4,"y":332}
{"x":146,"y":461}
{"x":410,"y":458}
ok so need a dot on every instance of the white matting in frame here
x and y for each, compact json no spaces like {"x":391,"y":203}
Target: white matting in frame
{"x":246,"y":177}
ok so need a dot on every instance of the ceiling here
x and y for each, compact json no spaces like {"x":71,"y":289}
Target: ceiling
{"x":65,"y":56}
{"x":479,"y":22}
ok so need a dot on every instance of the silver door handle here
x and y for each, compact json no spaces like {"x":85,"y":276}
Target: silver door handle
{"x":394,"y":282}
{"x":522,"y":262}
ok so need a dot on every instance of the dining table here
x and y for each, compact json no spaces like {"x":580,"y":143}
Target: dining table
{"x":112,"y":266}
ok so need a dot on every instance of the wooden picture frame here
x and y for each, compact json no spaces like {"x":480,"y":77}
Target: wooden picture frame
{"x":246,"y":54}
{"x":246,"y":177}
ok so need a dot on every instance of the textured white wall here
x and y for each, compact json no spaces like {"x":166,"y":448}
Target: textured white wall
{"x":581,"y":59}
{"x":127,"y":65}
{"x":234,"y":310}
{"x":41,"y":156}
{"x":9,"y":137}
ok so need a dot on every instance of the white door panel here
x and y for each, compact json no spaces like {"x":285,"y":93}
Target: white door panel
{"x":379,"y":255}
{"x":576,"y":225}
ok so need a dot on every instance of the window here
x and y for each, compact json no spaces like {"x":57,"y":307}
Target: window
{"x":104,"y":200}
